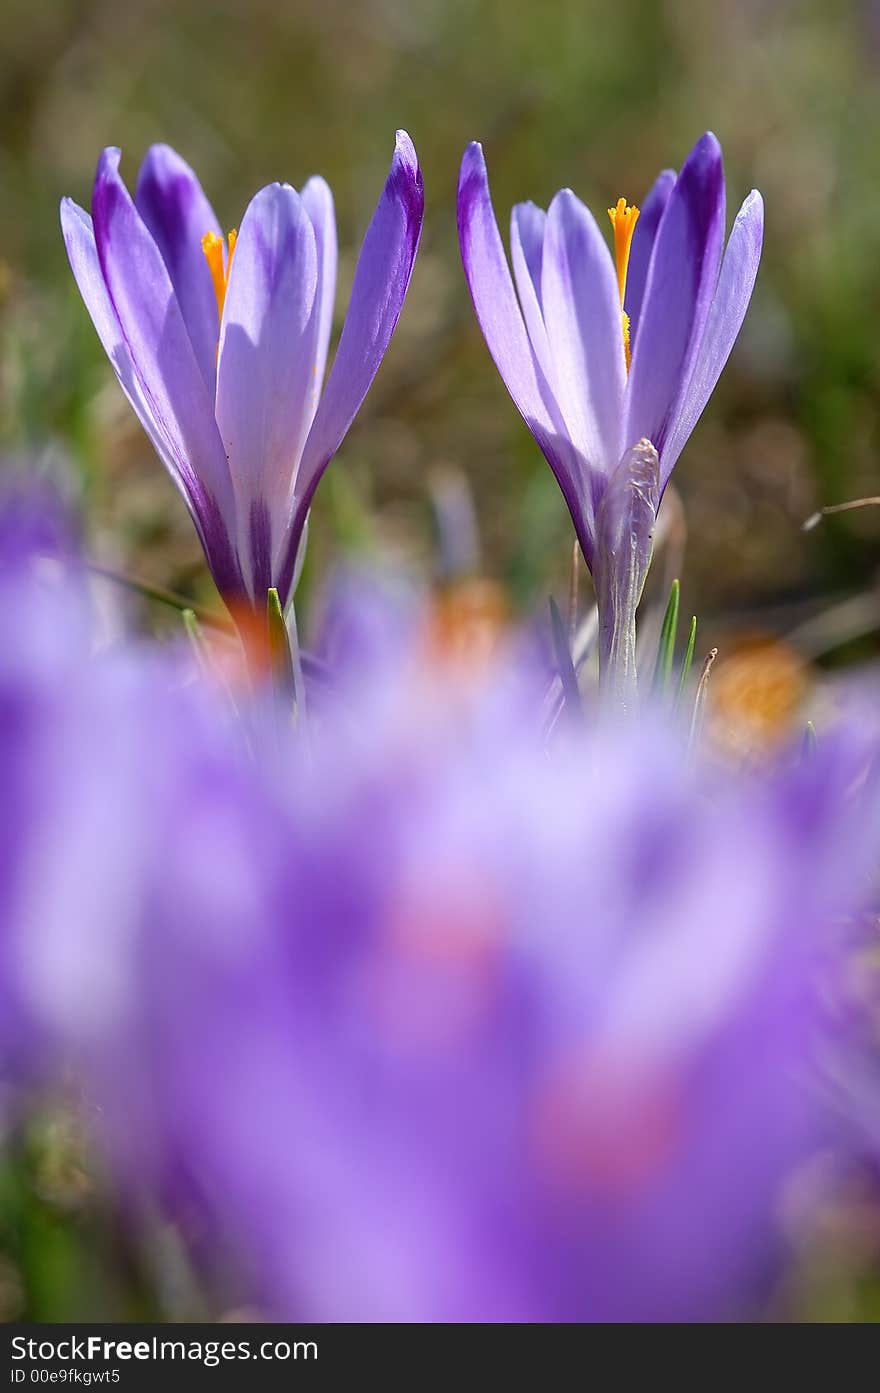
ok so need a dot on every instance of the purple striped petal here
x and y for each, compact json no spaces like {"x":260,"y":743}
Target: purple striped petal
{"x":318,"y":203}
{"x":152,"y":326}
{"x":499,"y":316}
{"x":652,"y":210}
{"x":736,"y":282}
{"x":203,"y":503}
{"x":380,"y":284}
{"x":582,"y":314}
{"x":491,"y":287}
{"x":527,"y":227}
{"x":680,"y":283}
{"x":170,"y":200}
{"x":266,"y":368}
{"x":79,"y":241}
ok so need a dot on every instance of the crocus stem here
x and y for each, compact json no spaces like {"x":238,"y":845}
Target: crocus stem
{"x":618,"y":678}
{"x":625,"y":540}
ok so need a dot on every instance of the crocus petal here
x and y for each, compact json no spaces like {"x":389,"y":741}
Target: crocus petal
{"x":82,"y":253}
{"x":79,"y":241}
{"x":680,"y":284}
{"x":582,"y":314}
{"x":527,"y":227}
{"x":266,"y":367}
{"x":736,"y":282}
{"x":318,"y":203}
{"x":380,"y":284}
{"x":498,"y":314}
{"x":164,"y":363}
{"x":171,"y":202}
{"x":652,"y":210}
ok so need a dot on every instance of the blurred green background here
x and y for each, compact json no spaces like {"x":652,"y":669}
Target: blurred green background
{"x":595,"y":95}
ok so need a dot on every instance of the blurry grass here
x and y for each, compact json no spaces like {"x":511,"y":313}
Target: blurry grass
{"x":64,"y":1259}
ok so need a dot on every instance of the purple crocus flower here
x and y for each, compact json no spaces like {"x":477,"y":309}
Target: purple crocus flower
{"x":598,"y":358}
{"x":222,"y":356}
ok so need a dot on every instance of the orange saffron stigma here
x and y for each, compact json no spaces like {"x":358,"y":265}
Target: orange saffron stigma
{"x":623,"y":219}
{"x":218,"y":265}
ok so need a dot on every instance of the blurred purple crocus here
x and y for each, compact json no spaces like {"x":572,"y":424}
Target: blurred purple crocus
{"x":222,"y":355}
{"x":473,"y":1045}
{"x":601,"y":358}
{"x":460,"y":1026}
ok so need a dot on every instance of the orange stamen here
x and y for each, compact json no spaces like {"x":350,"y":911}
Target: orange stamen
{"x":219,"y":265}
{"x":623,"y":219}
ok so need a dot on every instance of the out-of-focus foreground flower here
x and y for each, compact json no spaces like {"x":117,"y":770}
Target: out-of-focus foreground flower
{"x":602,"y":359}
{"x":221,"y":349}
{"x":427,"y":1020}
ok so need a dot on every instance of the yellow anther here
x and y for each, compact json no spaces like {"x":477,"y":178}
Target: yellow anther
{"x":218,"y":265}
{"x":623,"y":219}
{"x":624,"y":320}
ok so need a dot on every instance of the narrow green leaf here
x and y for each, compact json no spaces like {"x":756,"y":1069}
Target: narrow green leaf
{"x":686,"y":663}
{"x":567,"y":674}
{"x":280,"y":656}
{"x":207,"y":617}
{"x":666,"y":646}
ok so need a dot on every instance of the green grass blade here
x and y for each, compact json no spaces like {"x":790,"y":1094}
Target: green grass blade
{"x":686,"y":663}
{"x":208,"y":618}
{"x":279,"y":648}
{"x":666,"y":646}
